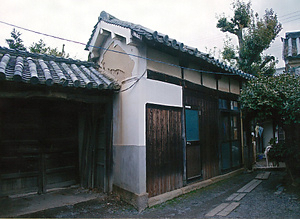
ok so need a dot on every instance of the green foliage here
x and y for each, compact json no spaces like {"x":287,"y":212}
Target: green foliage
{"x":288,"y":153}
{"x":278,"y":152}
{"x":240,"y":20}
{"x":212,"y":52}
{"x":254,"y":35}
{"x":15,"y":42}
{"x":40,"y":47}
{"x":229,"y":52}
{"x":276,"y":98}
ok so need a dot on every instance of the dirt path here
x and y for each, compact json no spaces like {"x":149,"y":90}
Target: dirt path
{"x":271,"y":198}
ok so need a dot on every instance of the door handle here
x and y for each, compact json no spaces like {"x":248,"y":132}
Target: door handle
{"x":189,"y":143}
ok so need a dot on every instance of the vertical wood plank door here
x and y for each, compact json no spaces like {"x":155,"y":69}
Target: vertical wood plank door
{"x":207,"y":105}
{"x":164,"y":149}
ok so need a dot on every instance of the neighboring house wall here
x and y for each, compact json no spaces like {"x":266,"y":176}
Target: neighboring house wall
{"x":291,"y":52}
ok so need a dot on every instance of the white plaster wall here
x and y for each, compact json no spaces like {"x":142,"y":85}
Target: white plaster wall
{"x":129,"y":138}
{"x":192,"y":76}
{"x":161,"y":67}
{"x":130,"y":130}
{"x":116,"y":57}
{"x":129,"y":106}
{"x":223,"y":84}
{"x":209,"y":80}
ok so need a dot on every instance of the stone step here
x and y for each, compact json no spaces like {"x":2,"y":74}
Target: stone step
{"x":250,"y":186}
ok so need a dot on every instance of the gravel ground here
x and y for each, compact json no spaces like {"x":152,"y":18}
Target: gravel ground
{"x":273,"y":198}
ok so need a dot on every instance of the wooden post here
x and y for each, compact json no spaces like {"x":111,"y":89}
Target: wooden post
{"x":248,"y":156}
{"x":109,"y":143}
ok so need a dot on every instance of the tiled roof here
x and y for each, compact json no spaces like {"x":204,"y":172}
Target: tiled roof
{"x":22,"y":66}
{"x":291,"y":45}
{"x":150,"y":35}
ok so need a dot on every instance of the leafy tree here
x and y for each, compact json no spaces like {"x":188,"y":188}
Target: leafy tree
{"x":15,"y":42}
{"x":254,"y":36}
{"x":40,"y":47}
{"x":229,"y":52}
{"x":277,"y":98}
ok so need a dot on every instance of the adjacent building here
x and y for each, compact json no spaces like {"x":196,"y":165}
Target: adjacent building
{"x":55,"y":123}
{"x":291,"y":52}
{"x":176,"y":118}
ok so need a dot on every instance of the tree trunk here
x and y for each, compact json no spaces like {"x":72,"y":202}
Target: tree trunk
{"x":239,"y":34}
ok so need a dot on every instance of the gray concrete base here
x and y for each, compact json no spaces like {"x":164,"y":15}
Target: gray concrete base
{"x":175,"y":193}
{"x":139,"y":201}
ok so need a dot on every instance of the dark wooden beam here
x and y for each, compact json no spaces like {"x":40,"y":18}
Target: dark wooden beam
{"x":17,"y":90}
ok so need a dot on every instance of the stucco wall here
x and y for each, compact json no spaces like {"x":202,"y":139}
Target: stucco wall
{"x":129,"y":123}
{"x":209,"y":81}
{"x":130,"y":129}
{"x":235,"y":86}
{"x":117,"y":63}
{"x":129,"y":168}
{"x":161,"y":67}
{"x":223,"y":84}
{"x":192,"y":76}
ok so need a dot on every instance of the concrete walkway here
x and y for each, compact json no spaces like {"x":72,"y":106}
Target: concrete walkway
{"x":15,"y":206}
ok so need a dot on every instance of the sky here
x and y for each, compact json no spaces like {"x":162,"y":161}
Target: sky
{"x":192,"y":22}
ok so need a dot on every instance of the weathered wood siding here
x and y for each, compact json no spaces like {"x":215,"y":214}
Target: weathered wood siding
{"x":47,"y":144}
{"x":164,"y":152}
{"x":93,"y":141}
{"x":38,"y":146}
{"x":207,"y":103}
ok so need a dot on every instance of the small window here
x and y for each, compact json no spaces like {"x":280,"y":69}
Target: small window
{"x":223,"y":104}
{"x":234,"y":128}
{"x":234,"y":105}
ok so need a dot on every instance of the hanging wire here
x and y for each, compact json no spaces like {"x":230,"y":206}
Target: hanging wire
{"x":115,"y":51}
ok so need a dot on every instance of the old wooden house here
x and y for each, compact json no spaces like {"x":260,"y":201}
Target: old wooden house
{"x":55,"y":123}
{"x":176,"y":119}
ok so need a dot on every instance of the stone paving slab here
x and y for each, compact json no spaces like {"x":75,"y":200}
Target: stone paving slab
{"x":250,"y":186}
{"x":263,"y":175}
{"x":223,"y":209}
{"x":236,"y":197}
{"x":217,"y":209}
{"x":228,"y":209}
